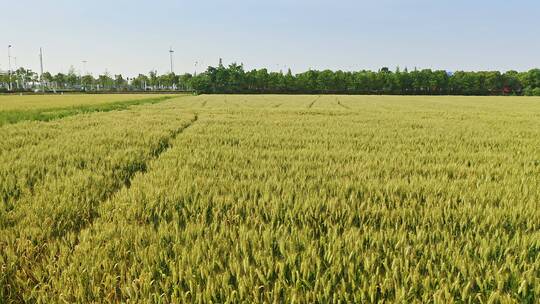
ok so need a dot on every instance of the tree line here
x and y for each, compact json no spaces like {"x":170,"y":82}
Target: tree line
{"x":26,"y":80}
{"x":234,"y":79}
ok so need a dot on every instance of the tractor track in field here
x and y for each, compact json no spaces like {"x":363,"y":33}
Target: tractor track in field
{"x":228,"y":103}
{"x":39,"y":180}
{"x":342,"y":105}
{"x":40,"y":252}
{"x":164,"y":145}
{"x":313,"y":102}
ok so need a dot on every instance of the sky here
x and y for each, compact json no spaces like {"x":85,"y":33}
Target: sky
{"x":131,"y":37}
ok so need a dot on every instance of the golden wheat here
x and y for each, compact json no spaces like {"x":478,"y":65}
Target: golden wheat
{"x":302,"y":199}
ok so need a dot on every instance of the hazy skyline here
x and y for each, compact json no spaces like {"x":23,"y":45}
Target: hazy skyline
{"x":131,"y":37}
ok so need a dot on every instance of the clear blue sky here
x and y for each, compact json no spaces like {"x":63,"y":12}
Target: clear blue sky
{"x":134,"y":36}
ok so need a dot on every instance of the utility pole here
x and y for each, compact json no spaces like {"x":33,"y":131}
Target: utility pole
{"x":171,"y":57}
{"x":41,"y":69}
{"x":9,"y":66}
{"x":195,"y":74}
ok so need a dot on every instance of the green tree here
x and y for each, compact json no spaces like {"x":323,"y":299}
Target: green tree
{"x":87,"y":82}
{"x":71,"y":78}
{"x":105,"y":82}
{"x":140,"y":82}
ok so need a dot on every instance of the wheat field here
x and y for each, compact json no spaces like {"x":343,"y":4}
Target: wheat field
{"x":274,"y":199}
{"x":34,"y":102}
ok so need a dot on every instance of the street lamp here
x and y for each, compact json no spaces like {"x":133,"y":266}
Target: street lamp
{"x":171,"y":57}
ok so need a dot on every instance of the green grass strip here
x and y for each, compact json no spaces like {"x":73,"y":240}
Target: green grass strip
{"x":14,"y":116}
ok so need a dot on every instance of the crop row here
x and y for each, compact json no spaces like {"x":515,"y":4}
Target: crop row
{"x":317,"y":200}
{"x":54,"y":175}
{"x":324,"y":204}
